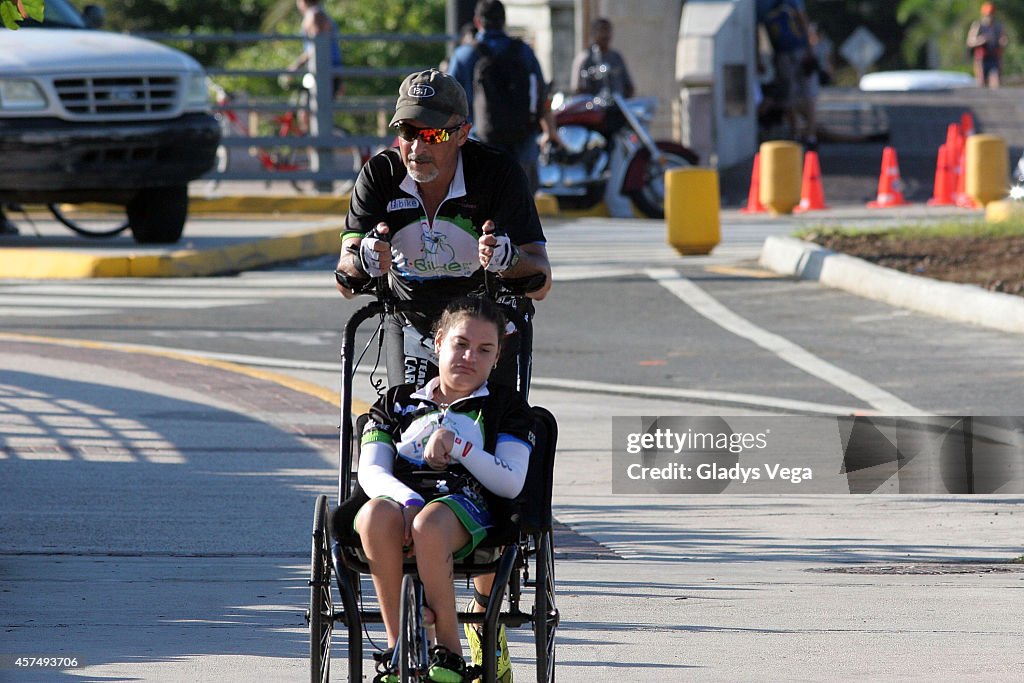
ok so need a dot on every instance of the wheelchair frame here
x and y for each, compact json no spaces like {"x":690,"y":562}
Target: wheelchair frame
{"x":508,"y":554}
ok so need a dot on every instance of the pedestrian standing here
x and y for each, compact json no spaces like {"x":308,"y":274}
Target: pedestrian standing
{"x":986,"y":40}
{"x":599,"y":69}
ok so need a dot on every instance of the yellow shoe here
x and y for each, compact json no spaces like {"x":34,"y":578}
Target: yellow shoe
{"x":476,"y":650}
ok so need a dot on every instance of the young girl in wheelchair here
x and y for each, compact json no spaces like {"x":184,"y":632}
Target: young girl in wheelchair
{"x":429,"y":457}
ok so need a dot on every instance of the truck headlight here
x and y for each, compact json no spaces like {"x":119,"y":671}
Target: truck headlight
{"x":21,"y":95}
{"x":197,"y":96}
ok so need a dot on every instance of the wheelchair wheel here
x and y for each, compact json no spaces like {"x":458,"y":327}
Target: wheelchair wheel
{"x":412,"y":641}
{"x":321,"y":610}
{"x":545,"y":613}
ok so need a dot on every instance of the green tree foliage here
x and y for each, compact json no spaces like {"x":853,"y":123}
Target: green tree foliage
{"x":280,"y":17}
{"x":187,"y":16}
{"x":13,"y":11}
{"x":909,"y":29}
{"x":943,"y":23}
{"x":369,"y":17}
{"x":354,"y":18}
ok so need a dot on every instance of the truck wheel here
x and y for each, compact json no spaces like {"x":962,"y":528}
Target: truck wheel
{"x":157,"y":214}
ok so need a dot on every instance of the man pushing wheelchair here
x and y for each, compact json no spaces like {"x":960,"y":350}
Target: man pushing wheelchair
{"x":435,"y":218}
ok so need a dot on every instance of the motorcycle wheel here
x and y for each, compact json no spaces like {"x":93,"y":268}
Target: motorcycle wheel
{"x":645,"y":179}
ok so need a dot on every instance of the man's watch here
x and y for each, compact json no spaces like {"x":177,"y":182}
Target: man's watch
{"x":357,"y":260}
{"x":357,"y":285}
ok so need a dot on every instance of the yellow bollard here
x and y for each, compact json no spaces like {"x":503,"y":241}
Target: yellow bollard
{"x":781,"y":175}
{"x":691,"y":210}
{"x":986,"y":168}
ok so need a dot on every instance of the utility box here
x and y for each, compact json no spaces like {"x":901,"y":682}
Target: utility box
{"x":716,"y":72}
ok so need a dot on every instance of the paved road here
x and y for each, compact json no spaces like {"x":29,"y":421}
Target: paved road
{"x":155,"y":510}
{"x":620,"y":316}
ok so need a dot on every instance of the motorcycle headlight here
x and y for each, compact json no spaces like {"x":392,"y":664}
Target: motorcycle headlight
{"x":20,"y":94}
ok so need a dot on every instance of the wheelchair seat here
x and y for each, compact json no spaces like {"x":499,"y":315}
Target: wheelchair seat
{"x":529,"y":513}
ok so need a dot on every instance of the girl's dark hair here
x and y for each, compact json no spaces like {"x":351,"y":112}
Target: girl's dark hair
{"x":472,"y":307}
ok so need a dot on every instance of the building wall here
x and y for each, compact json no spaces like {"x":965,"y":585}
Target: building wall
{"x":547,"y":25}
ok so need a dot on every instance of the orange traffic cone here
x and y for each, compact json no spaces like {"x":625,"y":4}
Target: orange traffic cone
{"x":966,"y":125}
{"x":754,"y":204}
{"x":812,"y":194}
{"x":942,"y":195}
{"x":954,"y":158}
{"x":960,"y":196}
{"x":959,"y":180}
{"x":890,"y":187}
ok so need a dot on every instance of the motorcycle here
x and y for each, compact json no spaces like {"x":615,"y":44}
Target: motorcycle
{"x":608,"y":153}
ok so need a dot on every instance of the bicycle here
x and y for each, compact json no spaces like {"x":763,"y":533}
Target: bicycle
{"x":523,"y":539}
{"x":289,"y":158}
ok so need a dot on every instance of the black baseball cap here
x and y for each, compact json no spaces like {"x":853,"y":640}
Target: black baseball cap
{"x":431,"y":97}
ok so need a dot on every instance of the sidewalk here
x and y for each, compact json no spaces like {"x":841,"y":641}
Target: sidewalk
{"x":157,"y":510}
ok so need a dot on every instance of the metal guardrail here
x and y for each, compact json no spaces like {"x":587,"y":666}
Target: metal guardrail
{"x":321,"y":141}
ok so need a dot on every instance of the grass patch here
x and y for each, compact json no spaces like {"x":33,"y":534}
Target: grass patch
{"x":945,"y":229}
{"x":1017,"y":560}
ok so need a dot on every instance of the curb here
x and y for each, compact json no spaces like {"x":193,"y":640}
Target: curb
{"x":36,"y":264}
{"x":268,"y":204}
{"x":30,"y":263}
{"x":963,"y":303}
{"x":547,"y":205}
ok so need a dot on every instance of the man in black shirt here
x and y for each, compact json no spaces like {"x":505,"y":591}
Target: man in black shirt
{"x":451,"y":208}
{"x":600,"y":70}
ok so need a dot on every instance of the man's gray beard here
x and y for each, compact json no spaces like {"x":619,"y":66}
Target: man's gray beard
{"x":421,"y":177}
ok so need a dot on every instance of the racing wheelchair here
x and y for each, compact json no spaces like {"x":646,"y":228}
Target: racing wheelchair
{"x":519,"y":550}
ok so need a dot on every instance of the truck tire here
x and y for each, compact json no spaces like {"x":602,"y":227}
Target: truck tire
{"x":157,"y":214}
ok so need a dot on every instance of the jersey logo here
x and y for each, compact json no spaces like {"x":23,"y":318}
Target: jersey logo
{"x":403,"y":203}
{"x":438,"y":255}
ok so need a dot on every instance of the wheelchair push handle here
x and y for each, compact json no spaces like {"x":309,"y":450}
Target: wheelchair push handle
{"x":374,"y":285}
{"x":517,"y":287}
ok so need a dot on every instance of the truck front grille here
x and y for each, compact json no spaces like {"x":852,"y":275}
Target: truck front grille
{"x":121,"y":96}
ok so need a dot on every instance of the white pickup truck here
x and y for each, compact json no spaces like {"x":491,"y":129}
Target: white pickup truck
{"x":94,"y":116}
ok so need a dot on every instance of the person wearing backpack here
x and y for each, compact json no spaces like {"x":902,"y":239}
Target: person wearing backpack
{"x":795,"y":66}
{"x":505,"y":87}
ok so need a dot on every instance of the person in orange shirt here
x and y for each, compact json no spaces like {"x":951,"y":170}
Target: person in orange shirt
{"x":987,"y":39}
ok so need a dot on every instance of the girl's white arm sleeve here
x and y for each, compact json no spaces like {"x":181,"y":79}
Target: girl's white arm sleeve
{"x":376,"y":462}
{"x":503,"y":473}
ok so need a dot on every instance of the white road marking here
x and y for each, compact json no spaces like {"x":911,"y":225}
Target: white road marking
{"x":15,"y":311}
{"x":30,"y":301}
{"x":704,"y":304}
{"x":134,"y":291}
{"x":92,"y":297}
{"x":695,"y":395}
